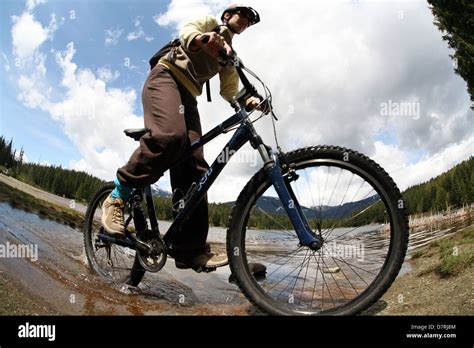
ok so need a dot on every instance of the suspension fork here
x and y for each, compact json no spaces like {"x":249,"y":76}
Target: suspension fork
{"x":272,"y":168}
{"x":292,"y":207}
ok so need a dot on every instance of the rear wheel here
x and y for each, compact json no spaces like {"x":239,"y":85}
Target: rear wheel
{"x":348,"y":200}
{"x":115,"y":263}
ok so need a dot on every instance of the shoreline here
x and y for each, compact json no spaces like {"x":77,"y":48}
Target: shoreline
{"x":436,"y":285}
{"x":27,"y":202}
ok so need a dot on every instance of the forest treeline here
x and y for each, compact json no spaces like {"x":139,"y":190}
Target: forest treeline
{"x":451,"y":189}
{"x":55,"y":179}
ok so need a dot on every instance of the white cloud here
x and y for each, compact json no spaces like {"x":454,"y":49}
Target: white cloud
{"x":31,"y":4}
{"x":396,"y":162}
{"x":138,"y":21}
{"x":180,"y":12}
{"x":134,"y":35}
{"x":93,"y":115}
{"x":112,"y":36}
{"x":139,"y":33}
{"x":27,"y":37}
{"x":30,"y":96}
{"x":90,"y":113}
{"x":34,"y":91}
{"x":106,"y":75}
{"x":28,"y":34}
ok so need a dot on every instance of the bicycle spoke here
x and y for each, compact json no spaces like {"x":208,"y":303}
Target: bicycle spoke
{"x":335,"y":185}
{"x":297,"y":276}
{"x":301,"y":268}
{"x":337,"y":215}
{"x":335,"y":281}
{"x":284,"y":277}
{"x":315,"y":280}
{"x":344,"y":196}
{"x":304,"y":280}
{"x":353,"y":229}
{"x":284,"y":228}
{"x":350,"y":266}
{"x":325,"y":184}
{"x":275,"y":263}
{"x":329,"y":231}
{"x":342,"y":271}
{"x":313,"y":206}
{"x":324,"y":280}
{"x":268,"y":276}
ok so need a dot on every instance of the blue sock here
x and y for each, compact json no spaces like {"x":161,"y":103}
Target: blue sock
{"x":121,"y":191}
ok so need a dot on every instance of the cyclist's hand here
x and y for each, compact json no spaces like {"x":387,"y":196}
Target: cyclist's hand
{"x":253,"y":103}
{"x":214,"y":44}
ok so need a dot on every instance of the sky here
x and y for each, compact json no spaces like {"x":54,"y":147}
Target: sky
{"x":374,"y":76}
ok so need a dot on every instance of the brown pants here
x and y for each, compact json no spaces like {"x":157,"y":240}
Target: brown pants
{"x":171,"y":115}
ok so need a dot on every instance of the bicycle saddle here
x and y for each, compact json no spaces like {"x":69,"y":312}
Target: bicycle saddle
{"x":136,"y":133}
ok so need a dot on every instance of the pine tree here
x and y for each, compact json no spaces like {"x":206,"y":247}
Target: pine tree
{"x":9,"y":155}
{"x":20,"y":157}
{"x":455,"y":19}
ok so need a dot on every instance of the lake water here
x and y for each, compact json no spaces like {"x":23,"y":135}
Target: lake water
{"x":62,"y":271}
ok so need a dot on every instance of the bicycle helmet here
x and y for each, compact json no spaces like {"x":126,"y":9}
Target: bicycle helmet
{"x":249,"y":12}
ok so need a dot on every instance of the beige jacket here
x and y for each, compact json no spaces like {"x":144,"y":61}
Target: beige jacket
{"x":194,"y":68}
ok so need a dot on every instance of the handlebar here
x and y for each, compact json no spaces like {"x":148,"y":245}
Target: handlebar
{"x":249,"y":90}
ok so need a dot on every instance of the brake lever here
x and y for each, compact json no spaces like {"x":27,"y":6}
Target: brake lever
{"x":270,"y":106}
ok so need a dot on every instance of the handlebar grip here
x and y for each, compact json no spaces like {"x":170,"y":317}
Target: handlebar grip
{"x":224,"y":55}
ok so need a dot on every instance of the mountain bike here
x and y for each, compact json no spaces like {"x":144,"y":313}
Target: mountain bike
{"x":320,"y":230}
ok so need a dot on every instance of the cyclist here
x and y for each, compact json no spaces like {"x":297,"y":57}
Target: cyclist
{"x":172,"y":119}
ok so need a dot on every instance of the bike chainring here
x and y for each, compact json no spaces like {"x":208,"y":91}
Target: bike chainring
{"x":154,"y":260}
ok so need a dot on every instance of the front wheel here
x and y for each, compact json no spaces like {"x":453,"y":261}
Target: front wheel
{"x":352,"y":203}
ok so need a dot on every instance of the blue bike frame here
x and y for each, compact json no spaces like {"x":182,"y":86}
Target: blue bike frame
{"x":244,"y":133}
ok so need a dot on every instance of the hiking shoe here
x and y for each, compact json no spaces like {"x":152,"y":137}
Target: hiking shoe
{"x":204,"y":259}
{"x":112,"y":216}
{"x":210,"y":259}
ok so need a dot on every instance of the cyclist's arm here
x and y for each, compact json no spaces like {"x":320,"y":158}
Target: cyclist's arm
{"x":230,"y":87}
{"x":229,"y":82}
{"x":191,"y":30}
